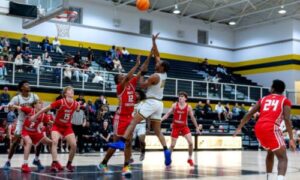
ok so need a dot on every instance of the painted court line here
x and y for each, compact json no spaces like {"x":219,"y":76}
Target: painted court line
{"x":42,"y":174}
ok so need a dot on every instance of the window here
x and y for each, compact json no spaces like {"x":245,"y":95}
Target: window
{"x":145,"y":27}
{"x":202,"y":37}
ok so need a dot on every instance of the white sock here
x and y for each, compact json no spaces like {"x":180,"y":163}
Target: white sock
{"x":280,"y":177}
{"x":25,"y":161}
{"x":36,"y":158}
{"x":269,"y":176}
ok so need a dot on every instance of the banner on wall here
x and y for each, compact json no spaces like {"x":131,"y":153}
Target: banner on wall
{"x":152,"y":142}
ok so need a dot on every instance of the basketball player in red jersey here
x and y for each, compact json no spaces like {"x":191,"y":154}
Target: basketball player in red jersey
{"x":126,"y":86}
{"x":273,"y":108}
{"x":181,"y":111}
{"x":31,"y":132}
{"x":62,"y":126}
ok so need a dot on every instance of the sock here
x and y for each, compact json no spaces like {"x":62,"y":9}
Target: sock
{"x":104,"y":162}
{"x":36,"y":158}
{"x":126,"y":164}
{"x":280,"y":177}
{"x":25,"y":161}
{"x":165,"y":148}
{"x":123,"y":139}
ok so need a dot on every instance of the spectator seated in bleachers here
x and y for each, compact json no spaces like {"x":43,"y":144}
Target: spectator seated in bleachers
{"x":219,"y":108}
{"x":126,"y":55}
{"x":80,"y":73}
{"x":17,"y":52}
{"x":68,"y":74}
{"x":26,"y":55}
{"x":207,"y":109}
{"x":24,"y":42}
{"x":98,"y":78}
{"x":3,"y":70}
{"x":47,"y":59}
{"x":5,"y":42}
{"x":227,"y":113}
{"x":199,"y":110}
{"x":6,"y":54}
{"x":236,"y":111}
{"x":45,"y":44}
{"x":117,"y":65}
{"x":37,"y":62}
{"x":221,"y":69}
{"x":19,"y":63}
{"x":56,"y":45}
{"x":4,"y":97}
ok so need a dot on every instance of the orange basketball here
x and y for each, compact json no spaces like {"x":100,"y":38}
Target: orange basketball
{"x":142,"y":5}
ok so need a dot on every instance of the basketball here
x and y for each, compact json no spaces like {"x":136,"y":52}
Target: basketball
{"x":142,"y":5}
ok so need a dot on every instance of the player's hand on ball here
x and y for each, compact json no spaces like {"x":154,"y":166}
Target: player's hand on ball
{"x":292,"y":145}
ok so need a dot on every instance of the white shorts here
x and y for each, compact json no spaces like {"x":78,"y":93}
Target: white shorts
{"x":19,"y":127}
{"x":139,"y":130}
{"x":151,"y":109}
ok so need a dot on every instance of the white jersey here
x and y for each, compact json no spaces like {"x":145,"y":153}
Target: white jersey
{"x":157,"y":91}
{"x":19,"y":100}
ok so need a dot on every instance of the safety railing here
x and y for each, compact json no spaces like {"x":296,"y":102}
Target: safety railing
{"x":103,"y":81}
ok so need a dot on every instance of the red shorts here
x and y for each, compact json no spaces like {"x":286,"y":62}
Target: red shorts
{"x":63,"y":130}
{"x":269,"y":135}
{"x":35,"y":137}
{"x":179,"y":130}
{"x":121,"y":123}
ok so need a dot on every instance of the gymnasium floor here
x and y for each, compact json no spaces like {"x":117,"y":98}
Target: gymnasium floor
{"x":228,"y":165}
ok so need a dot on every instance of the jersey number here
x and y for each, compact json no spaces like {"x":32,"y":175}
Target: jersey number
{"x":67,"y":117}
{"x":271,"y":104}
{"x":130,"y":98}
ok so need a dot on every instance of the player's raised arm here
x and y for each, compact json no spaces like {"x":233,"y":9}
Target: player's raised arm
{"x":155,"y":49}
{"x":144,"y":68}
{"x":130,"y":73}
{"x":288,"y":124}
{"x":171,"y":110}
{"x":191,"y":113}
{"x":246,"y":118}
{"x":152,"y":80}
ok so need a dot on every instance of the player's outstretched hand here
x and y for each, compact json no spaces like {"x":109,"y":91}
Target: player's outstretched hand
{"x":292,"y":145}
{"x":154,"y":37}
{"x":237,"y":131}
{"x":198,"y":131}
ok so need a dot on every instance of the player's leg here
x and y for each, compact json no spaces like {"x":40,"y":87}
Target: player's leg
{"x":71,"y":140}
{"x":189,"y":139}
{"x":55,"y":136}
{"x":109,"y":153}
{"x":156,"y":125}
{"x":13,"y":146}
{"x":36,"y":160}
{"x":173,"y":144}
{"x":126,"y":171}
{"x":142,"y":138}
{"x":269,"y":164}
{"x":282,"y":162}
{"x":27,"y":147}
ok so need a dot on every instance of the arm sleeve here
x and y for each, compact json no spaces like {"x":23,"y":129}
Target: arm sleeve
{"x":26,"y":110}
{"x":56,"y":104}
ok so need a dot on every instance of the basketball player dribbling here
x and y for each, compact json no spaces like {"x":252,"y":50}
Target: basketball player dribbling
{"x":273,"y":109}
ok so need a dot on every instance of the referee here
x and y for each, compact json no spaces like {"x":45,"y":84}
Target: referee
{"x":78,"y":122}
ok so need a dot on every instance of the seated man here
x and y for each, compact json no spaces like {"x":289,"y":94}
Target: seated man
{"x":46,"y":46}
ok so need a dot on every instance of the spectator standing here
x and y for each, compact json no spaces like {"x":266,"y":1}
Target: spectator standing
{"x":81,"y":99}
{"x":113,"y":52}
{"x":78,"y":124}
{"x":24,"y":42}
{"x":4,"y":97}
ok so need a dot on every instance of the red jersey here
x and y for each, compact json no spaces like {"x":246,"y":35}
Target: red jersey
{"x":2,"y":133}
{"x":127,"y":98}
{"x":180,"y":116}
{"x":32,"y":126}
{"x":64,"y":111}
{"x":271,"y":108}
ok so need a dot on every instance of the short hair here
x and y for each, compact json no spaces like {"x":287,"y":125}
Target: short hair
{"x":21,"y":84}
{"x":183,"y":93}
{"x":141,"y":93}
{"x":278,"y":86}
{"x":116,"y":78}
{"x":165,"y":65}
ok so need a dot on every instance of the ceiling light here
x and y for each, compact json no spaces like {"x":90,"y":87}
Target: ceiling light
{"x":232,"y":23}
{"x":176,"y":10}
{"x":282,"y":11}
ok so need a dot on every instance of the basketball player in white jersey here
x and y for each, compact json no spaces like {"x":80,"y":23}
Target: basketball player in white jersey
{"x":152,"y":108}
{"x":24,"y":98}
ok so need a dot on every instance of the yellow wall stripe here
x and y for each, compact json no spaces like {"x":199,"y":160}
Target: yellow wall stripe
{"x":269,"y":69}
